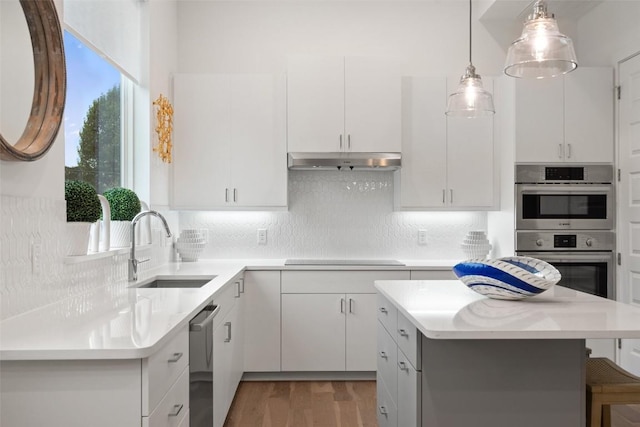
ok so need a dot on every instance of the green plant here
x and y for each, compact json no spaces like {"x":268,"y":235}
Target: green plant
{"x":83,"y":204}
{"x":124,"y":203}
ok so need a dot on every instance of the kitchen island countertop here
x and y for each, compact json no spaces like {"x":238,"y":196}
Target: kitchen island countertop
{"x":447,"y":309}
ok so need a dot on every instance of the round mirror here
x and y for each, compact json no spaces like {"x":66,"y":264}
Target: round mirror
{"x":49,"y":90}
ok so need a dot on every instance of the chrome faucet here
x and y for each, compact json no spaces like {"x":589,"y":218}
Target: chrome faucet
{"x":133,"y":262}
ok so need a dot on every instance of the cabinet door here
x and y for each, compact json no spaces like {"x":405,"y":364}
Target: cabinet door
{"x":236,"y":356}
{"x":539,"y":120}
{"x":589,"y":101}
{"x":372,"y":105}
{"x":361,"y":332}
{"x":262,"y":326}
{"x":201,"y":141}
{"x":315,"y":103}
{"x":470,"y":159}
{"x":258,"y":140}
{"x":422,"y":178}
{"x":222,"y":374}
{"x":313,"y":332}
{"x":409,"y":396}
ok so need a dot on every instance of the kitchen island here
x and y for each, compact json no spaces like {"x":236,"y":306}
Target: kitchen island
{"x":465,"y":359}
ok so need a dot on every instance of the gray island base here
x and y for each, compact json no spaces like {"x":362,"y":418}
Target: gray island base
{"x":503,"y":383}
{"x":449,"y":357}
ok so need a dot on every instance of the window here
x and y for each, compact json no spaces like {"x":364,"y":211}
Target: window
{"x":93,"y":119}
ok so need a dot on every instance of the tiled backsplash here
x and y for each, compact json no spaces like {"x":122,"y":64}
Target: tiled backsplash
{"x":33,"y":220}
{"x":331,"y":215}
{"x":336,"y":215}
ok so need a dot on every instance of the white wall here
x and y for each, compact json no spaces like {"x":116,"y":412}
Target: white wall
{"x":609,"y":33}
{"x":256,"y":36}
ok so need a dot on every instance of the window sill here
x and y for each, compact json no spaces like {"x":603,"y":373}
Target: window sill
{"x":92,"y":256}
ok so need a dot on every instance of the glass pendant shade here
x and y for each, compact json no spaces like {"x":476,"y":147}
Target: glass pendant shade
{"x":541,"y":51}
{"x":470,"y":98}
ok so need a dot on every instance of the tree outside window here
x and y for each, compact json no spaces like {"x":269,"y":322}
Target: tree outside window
{"x":93,"y":149}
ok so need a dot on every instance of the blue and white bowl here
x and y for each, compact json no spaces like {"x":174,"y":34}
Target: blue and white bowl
{"x":509,"y":278}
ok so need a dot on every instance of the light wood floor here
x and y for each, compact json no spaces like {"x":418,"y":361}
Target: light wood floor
{"x":331,"y":404}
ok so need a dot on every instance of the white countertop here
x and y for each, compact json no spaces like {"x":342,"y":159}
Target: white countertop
{"x":120,"y":322}
{"x":447,"y":309}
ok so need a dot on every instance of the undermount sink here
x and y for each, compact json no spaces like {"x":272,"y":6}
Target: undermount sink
{"x":173,"y":282}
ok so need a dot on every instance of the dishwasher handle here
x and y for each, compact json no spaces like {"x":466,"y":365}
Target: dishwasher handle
{"x":213,"y":310}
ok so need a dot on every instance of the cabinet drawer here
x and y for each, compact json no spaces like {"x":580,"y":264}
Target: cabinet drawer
{"x":408,"y":339}
{"x":161,"y":369}
{"x":333,"y":282}
{"x":386,"y":410}
{"x":387,"y":361}
{"x":174,"y":406}
{"x":388,"y":315}
{"x":409,"y":395}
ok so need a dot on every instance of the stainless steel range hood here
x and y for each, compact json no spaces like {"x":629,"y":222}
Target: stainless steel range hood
{"x":344,"y":161}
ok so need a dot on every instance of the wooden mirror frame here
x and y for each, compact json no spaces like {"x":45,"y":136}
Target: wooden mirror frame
{"x":50,"y":84}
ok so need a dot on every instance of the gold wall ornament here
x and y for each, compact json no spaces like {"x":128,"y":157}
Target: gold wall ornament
{"x":164,"y":127}
{"x":50,"y":84}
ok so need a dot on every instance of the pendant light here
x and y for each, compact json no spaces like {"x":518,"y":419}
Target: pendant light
{"x":541,"y":51}
{"x":470,"y":98}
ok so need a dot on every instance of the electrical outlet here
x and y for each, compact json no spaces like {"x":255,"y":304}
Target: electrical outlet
{"x":262,"y":236}
{"x":422,"y":237}
{"x":36,"y":258}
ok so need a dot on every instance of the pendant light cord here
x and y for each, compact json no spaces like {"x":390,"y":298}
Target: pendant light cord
{"x":470,"y":32}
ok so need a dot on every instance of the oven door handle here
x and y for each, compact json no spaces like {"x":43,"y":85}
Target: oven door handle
{"x":567,"y":189}
{"x":551,"y":257}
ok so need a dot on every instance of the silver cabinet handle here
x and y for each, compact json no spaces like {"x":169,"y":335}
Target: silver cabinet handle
{"x":242,"y":286}
{"x":340,"y":141}
{"x":451,"y":196}
{"x":349,"y":141}
{"x":235,"y":194}
{"x":228,"y":326}
{"x":350,"y":305}
{"x":383,"y":355}
{"x":226,"y":195}
{"x":176,"y":410}
{"x":237,"y":295}
{"x":383,"y":410}
{"x":384,"y":310}
{"x":568,"y":151}
{"x":197,"y":327}
{"x":175,"y":358}
{"x":443,"y":195}
{"x":559,"y":151}
{"x":403,"y":332}
{"x":341,"y":305}
{"x":403,"y":366}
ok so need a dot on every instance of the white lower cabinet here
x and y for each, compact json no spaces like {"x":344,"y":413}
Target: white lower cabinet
{"x":262,"y":321}
{"x":399,"y":370}
{"x":152,"y":392}
{"x":328,"y":319}
{"x":228,"y":350}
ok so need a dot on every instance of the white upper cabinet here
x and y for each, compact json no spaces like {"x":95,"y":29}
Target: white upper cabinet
{"x":566,"y":119}
{"x":229,"y":141}
{"x":343,"y":104}
{"x":447,"y":162}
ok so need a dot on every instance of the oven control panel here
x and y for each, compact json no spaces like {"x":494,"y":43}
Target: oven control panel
{"x":564,"y":241}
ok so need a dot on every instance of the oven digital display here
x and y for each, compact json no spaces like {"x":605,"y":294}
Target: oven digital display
{"x":564,"y":174}
{"x":564,"y":240}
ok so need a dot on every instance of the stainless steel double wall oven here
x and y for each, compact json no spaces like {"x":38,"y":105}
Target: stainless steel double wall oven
{"x":565,"y":215}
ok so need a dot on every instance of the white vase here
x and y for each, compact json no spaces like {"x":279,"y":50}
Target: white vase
{"x":77,"y":238}
{"x":120,"y":234}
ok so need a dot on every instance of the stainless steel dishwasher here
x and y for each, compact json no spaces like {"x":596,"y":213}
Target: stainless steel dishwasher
{"x":201,"y":367}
